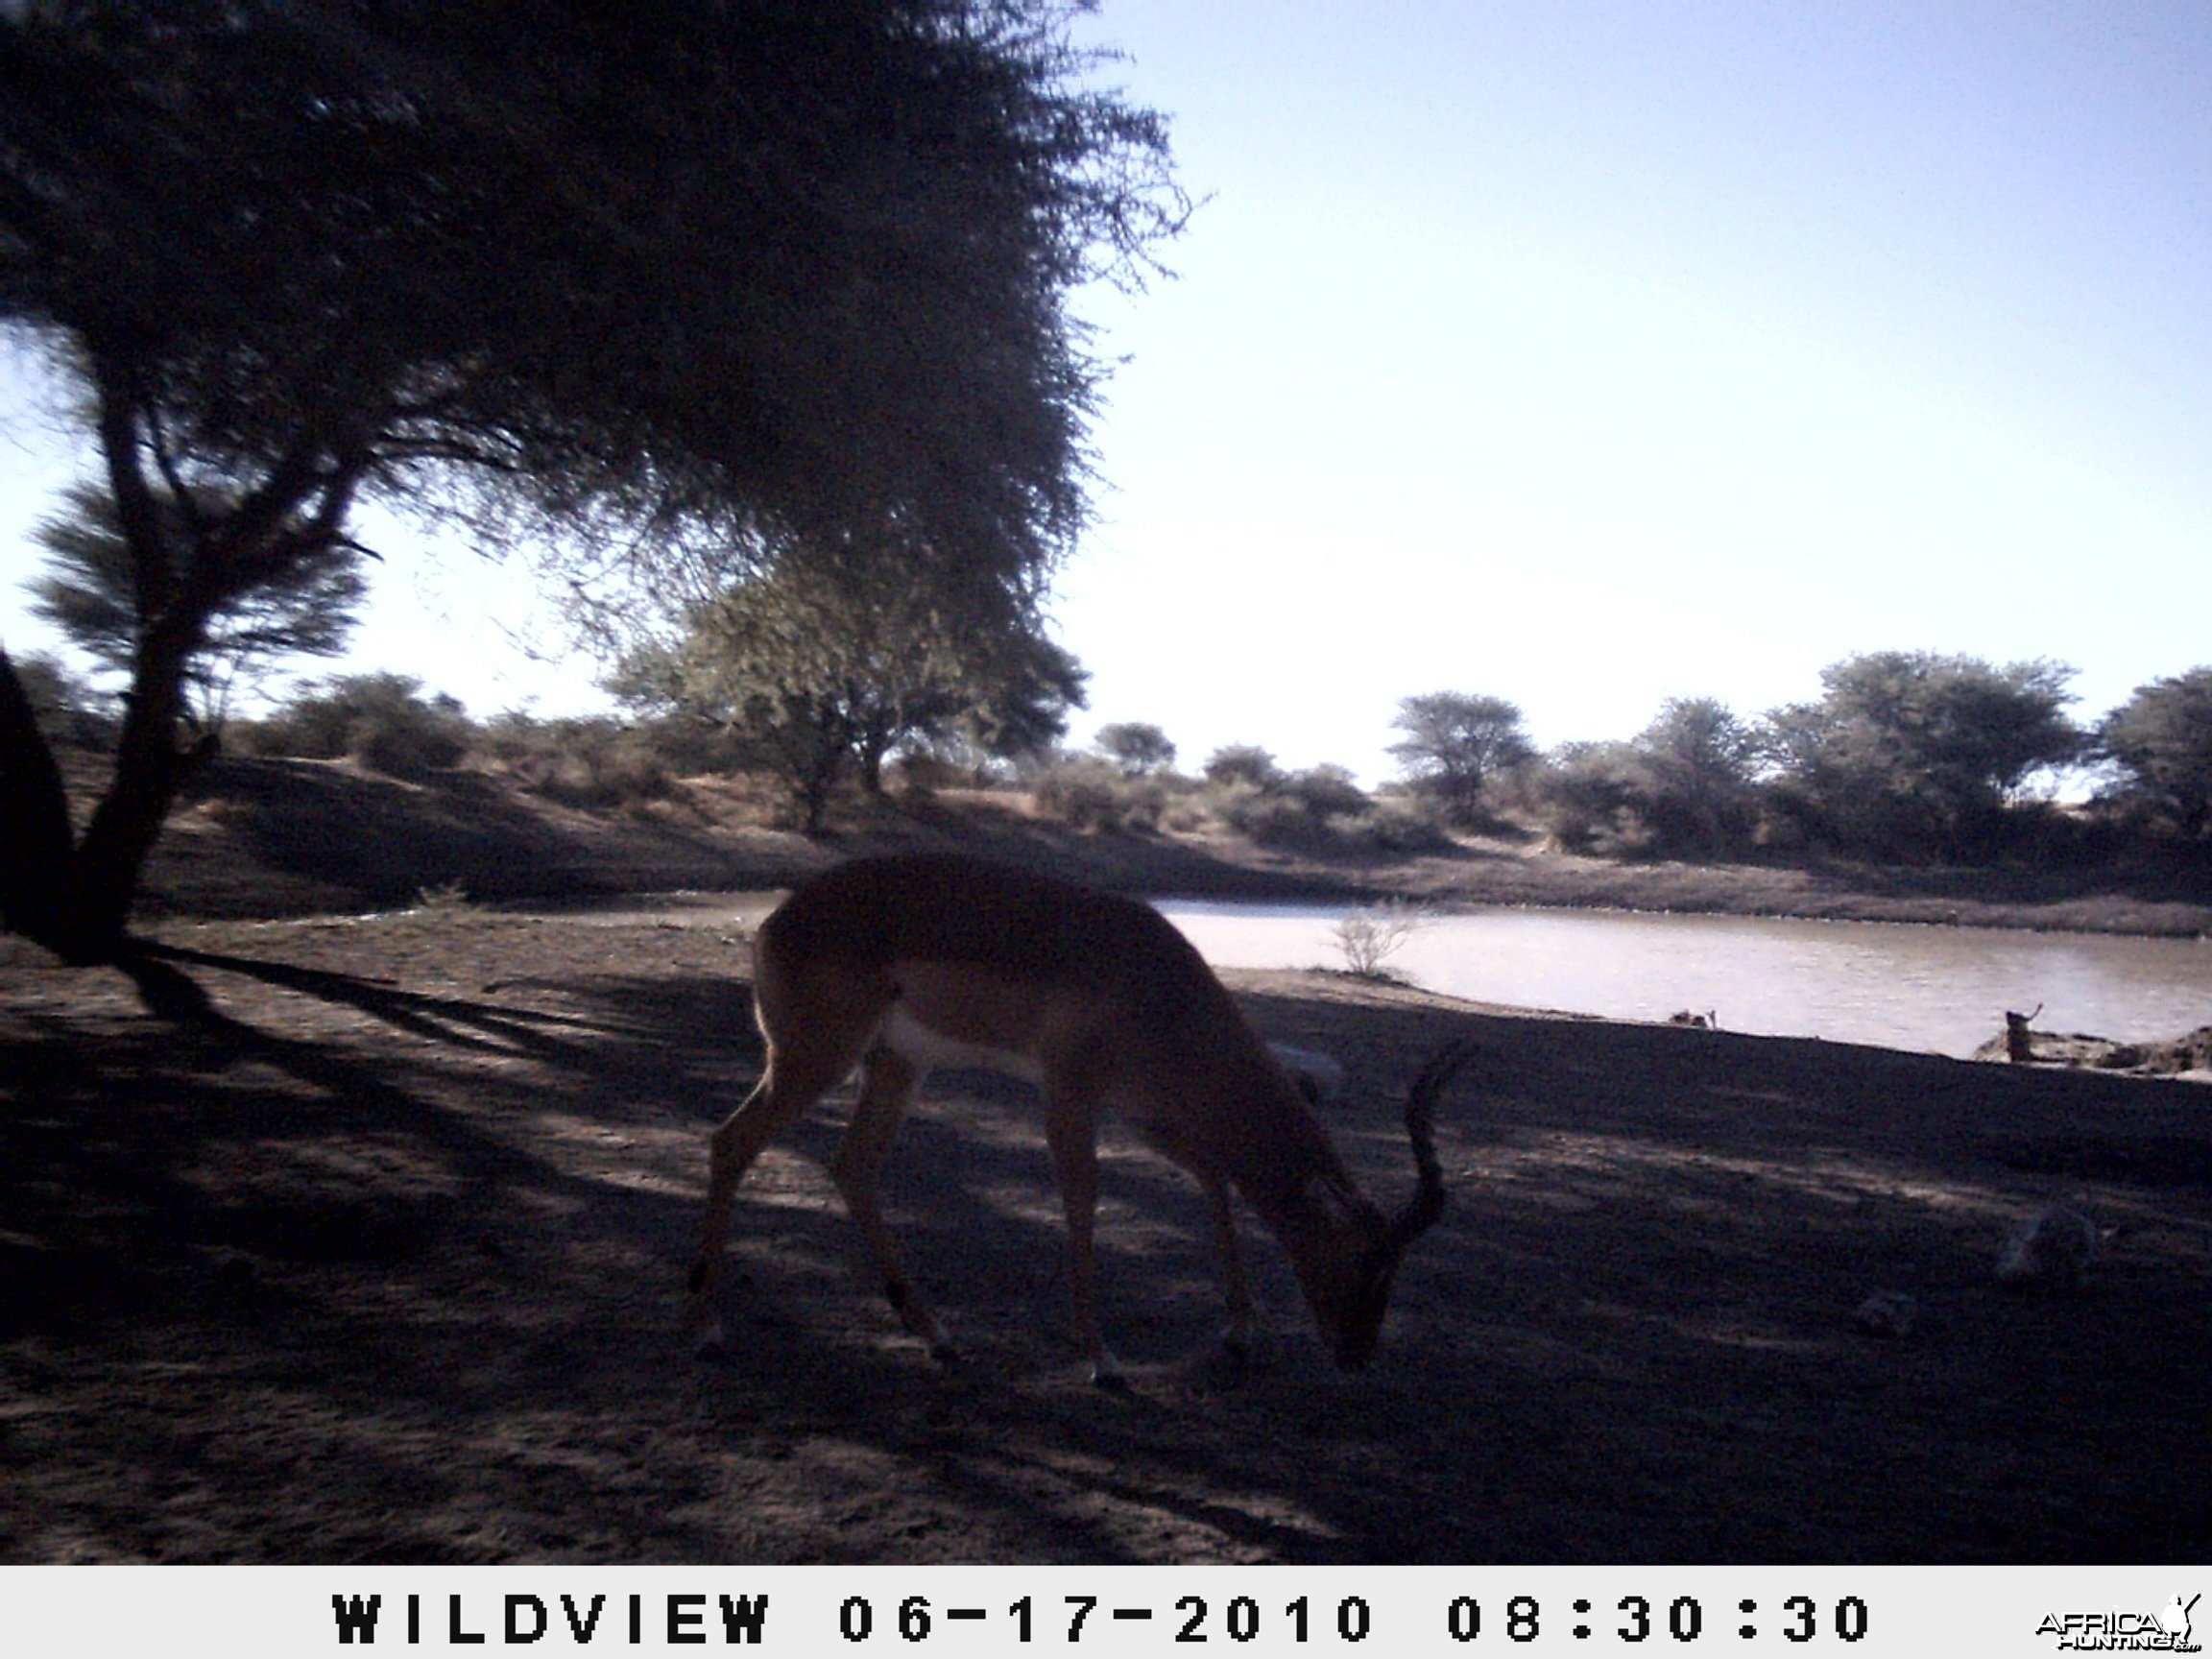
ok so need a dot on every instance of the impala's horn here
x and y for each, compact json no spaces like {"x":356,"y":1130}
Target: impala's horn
{"x":1427,"y":1202}
{"x":1362,"y":1324}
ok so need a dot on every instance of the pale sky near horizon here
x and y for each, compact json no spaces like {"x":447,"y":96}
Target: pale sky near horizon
{"x":1589,"y":352}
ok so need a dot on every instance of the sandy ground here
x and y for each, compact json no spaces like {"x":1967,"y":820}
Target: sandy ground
{"x":362,"y":1241}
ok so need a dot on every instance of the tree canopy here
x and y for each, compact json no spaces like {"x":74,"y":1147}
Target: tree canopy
{"x":827,"y":664}
{"x":1138,"y":747}
{"x":1698,"y":758}
{"x":1456,"y":742}
{"x":1909,"y":747}
{"x":2161,"y":737}
{"x":788,"y":270}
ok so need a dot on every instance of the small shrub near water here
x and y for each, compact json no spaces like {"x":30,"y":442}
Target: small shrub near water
{"x":448,"y":897}
{"x":1370,"y":937}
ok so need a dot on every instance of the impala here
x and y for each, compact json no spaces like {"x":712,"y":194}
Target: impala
{"x":897,"y":963}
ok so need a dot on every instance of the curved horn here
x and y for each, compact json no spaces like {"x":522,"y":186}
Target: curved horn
{"x":1363,"y":1322}
{"x":1427,"y":1202}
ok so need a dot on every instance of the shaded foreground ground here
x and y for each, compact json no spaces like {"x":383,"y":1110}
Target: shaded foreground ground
{"x":369,"y":1247}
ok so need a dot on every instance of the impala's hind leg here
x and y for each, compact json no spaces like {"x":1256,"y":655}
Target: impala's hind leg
{"x":887,"y":1084}
{"x":798,"y":1074}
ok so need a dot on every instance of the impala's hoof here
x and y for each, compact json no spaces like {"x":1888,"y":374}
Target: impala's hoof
{"x":947,"y":1353}
{"x":711,"y":1343}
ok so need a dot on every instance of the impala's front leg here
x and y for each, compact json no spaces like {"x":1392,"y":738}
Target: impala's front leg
{"x":1238,"y":1338}
{"x":1071,"y":1132}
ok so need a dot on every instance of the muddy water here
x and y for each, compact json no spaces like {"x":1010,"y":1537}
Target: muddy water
{"x":1935,"y":988}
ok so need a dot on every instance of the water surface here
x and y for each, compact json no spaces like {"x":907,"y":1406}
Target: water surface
{"x":1939,"y":989}
{"x":1897,"y":985}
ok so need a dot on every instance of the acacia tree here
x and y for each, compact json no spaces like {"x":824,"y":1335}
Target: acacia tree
{"x":778,"y":270}
{"x":1138,"y":747}
{"x":2162,"y":739}
{"x":1698,"y":758}
{"x":1245,"y":763}
{"x":1456,"y":742}
{"x":823,"y":664}
{"x":1021,"y":706}
{"x":1909,"y":749}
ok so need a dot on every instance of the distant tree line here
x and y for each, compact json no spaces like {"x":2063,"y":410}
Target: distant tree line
{"x":1904,"y":755}
{"x":823,"y":671}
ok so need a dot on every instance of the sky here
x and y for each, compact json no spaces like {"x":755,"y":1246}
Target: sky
{"x":1587,"y":354}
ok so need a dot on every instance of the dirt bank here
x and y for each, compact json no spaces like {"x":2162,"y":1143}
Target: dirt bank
{"x":368,"y":1246}
{"x":290,"y":837}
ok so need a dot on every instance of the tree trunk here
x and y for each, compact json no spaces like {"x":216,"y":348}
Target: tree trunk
{"x":76,"y":900}
{"x":34,"y":844}
{"x":148,"y":768}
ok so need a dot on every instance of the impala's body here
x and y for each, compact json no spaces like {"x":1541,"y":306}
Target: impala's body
{"x":896,"y":965}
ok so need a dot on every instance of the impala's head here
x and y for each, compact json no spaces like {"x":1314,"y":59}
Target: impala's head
{"x":1347,"y":1275}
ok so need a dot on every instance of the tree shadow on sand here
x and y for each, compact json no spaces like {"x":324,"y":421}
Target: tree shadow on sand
{"x":330,"y":1265}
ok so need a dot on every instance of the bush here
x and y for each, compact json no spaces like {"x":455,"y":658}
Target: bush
{"x":578,"y":762}
{"x":1400,"y":822}
{"x":1697,"y":761}
{"x":1642,"y":800}
{"x":1242,"y":763}
{"x":1324,"y":809}
{"x":1369,"y":937}
{"x":1137,"y":747}
{"x":1589,"y":796}
{"x":69,"y":711}
{"x":380,"y":720}
{"x":2161,"y":739}
{"x":1269,"y":818}
{"x":1088,"y":793}
{"x":1326,"y":791}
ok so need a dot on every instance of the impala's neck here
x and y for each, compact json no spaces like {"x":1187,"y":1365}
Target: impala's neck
{"x":1281,"y":1161}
